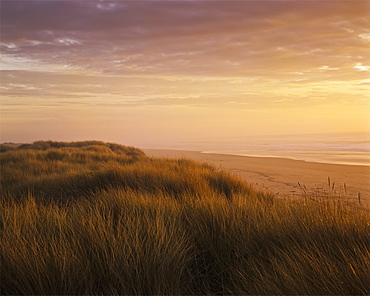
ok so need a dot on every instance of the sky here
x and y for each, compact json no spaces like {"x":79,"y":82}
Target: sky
{"x":156,"y":73}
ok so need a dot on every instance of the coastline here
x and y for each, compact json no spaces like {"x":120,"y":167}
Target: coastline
{"x":324,"y":161}
{"x":282,"y":176}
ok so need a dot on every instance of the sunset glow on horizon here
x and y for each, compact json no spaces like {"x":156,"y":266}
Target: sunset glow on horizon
{"x":152,"y":73}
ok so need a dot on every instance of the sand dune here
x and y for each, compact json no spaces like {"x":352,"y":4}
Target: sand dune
{"x":281,"y":175}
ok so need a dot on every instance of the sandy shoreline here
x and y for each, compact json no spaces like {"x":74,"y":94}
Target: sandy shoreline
{"x":281,"y":175}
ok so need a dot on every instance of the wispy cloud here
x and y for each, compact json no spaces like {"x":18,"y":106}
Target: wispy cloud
{"x":180,"y":37}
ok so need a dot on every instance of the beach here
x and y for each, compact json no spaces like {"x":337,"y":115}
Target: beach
{"x":285,"y":177}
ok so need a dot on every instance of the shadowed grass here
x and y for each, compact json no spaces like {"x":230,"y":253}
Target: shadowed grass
{"x":112,"y":223}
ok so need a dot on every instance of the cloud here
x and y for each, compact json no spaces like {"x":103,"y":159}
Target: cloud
{"x":361,"y":67}
{"x":178,"y":54}
{"x":185,"y":38}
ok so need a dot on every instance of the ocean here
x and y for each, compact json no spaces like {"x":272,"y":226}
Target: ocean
{"x":353,"y":149}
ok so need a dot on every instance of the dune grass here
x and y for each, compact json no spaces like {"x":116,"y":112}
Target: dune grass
{"x":96,"y":218}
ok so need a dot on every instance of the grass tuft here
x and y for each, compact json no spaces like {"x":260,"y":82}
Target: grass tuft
{"x":100,"y":218}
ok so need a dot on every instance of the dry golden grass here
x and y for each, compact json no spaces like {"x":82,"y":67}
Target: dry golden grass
{"x":85,"y":219}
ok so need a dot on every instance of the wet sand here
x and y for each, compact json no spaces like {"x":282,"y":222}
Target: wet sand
{"x":281,"y":175}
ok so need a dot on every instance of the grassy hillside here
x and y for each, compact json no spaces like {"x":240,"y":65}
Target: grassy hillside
{"x":101,"y":218}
